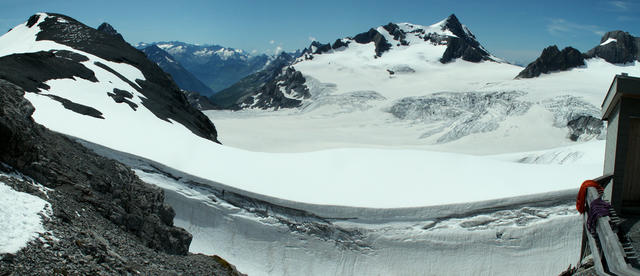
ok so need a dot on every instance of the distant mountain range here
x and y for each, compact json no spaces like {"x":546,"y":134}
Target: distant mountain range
{"x":217,"y":67}
{"x":183,"y":78}
{"x":278,"y":87}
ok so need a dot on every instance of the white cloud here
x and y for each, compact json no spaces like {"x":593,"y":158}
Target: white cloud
{"x":271,"y":41}
{"x":312,"y":39}
{"x":277,"y":51}
{"x":620,"y":5}
{"x":559,"y":26}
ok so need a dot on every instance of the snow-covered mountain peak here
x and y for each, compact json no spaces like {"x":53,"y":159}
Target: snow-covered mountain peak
{"x":447,"y":40}
{"x":94,"y":80}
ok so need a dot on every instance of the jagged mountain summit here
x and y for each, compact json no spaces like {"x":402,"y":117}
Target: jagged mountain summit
{"x":440,"y":85}
{"x":216,"y":66}
{"x":616,"y":47}
{"x":394,"y":54}
{"x":108,"y":29}
{"x":551,"y":60}
{"x":460,"y":42}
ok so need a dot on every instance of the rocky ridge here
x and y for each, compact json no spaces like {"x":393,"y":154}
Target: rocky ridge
{"x":552,"y":60}
{"x":615,"y":47}
{"x":105,"y":220}
{"x":462,"y":44}
{"x":236,"y":95}
{"x":261,"y":92}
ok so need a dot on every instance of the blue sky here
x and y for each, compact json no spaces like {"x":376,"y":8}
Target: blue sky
{"x":515,"y":30}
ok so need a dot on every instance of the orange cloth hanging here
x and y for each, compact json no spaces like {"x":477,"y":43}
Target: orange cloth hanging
{"x":582,"y":194}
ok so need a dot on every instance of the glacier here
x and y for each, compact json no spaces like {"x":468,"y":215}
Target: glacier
{"x":528,"y":235}
{"x":346,"y":184}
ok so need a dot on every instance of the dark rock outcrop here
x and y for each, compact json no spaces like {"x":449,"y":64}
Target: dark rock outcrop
{"x":162,"y":96}
{"x":552,"y":60}
{"x":463,"y":46}
{"x":198,"y":101}
{"x":232,"y":97}
{"x":31,"y":70}
{"x":122,"y":96}
{"x":110,"y":30}
{"x":625,"y":48}
{"x":585,"y":128}
{"x":319,"y":47}
{"x":183,"y":78}
{"x":339,"y":44}
{"x":397,"y":33}
{"x":285,"y":91}
{"x":381,"y":43}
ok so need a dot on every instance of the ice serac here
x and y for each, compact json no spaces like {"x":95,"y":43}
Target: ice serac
{"x":552,"y":60}
{"x":464,"y":45}
{"x":617,"y":47}
{"x":161,"y":95}
{"x":183,"y":78}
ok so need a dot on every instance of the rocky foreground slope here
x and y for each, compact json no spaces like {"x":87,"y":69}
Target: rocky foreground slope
{"x":101,"y":218}
{"x":104,"y":219}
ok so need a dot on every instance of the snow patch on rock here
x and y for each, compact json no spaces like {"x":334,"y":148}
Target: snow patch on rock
{"x":21,"y":216}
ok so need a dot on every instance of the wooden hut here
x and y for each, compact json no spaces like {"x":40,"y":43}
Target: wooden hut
{"x":621,"y":109}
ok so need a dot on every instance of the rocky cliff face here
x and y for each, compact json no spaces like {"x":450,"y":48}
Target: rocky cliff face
{"x":242,"y":91}
{"x":287,"y":90}
{"x":464,"y":45}
{"x":617,"y":47}
{"x":552,"y":60}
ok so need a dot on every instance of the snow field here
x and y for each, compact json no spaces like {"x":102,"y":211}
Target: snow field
{"x":20,"y":214}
